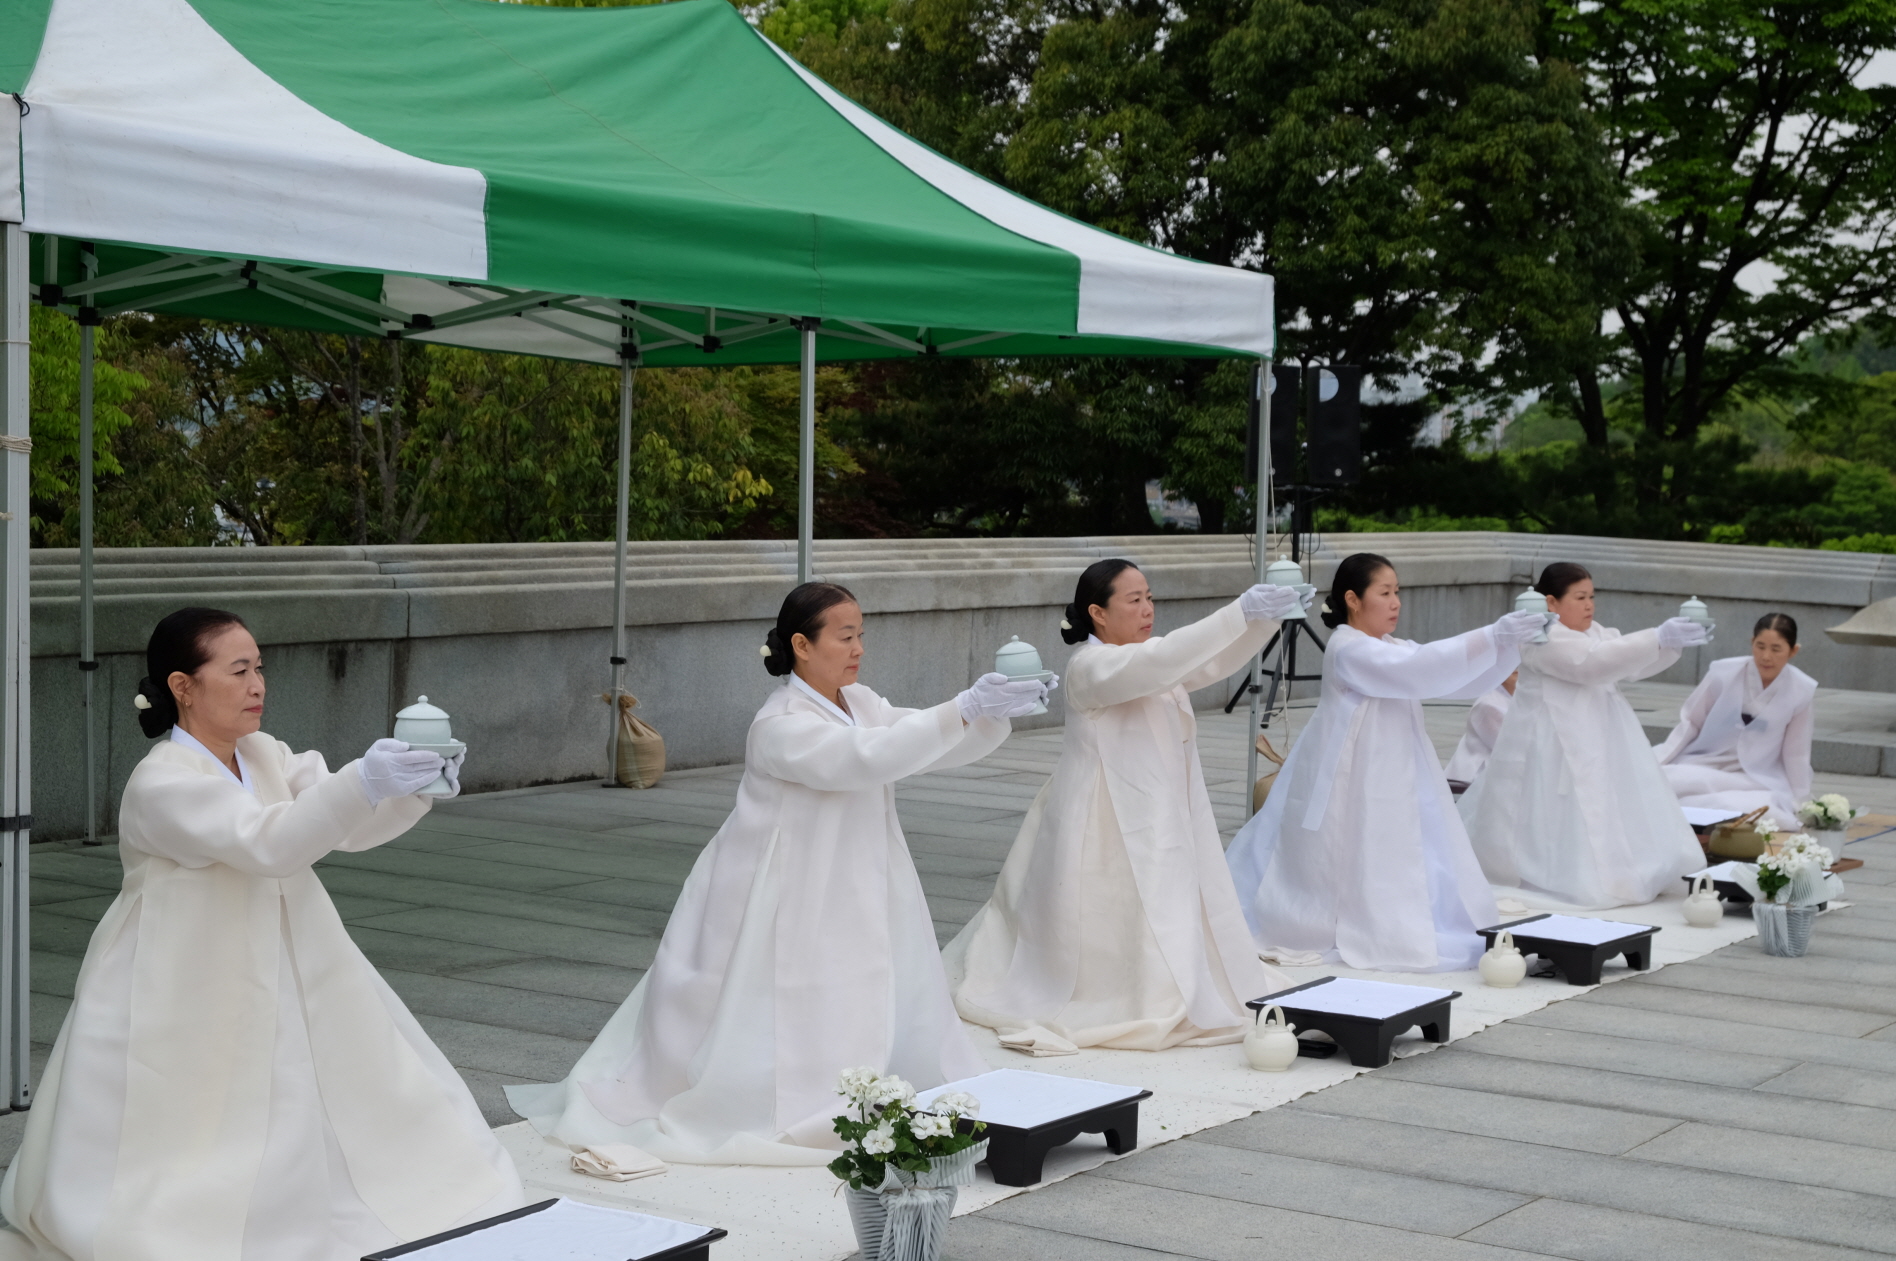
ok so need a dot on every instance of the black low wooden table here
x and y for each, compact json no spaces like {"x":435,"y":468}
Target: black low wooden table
{"x":694,"y":1246}
{"x":1578,"y":948}
{"x":1363,"y":1017}
{"x":1028,"y":1114}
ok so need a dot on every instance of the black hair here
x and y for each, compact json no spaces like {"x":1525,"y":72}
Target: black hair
{"x":1094,"y":587}
{"x":1559,"y":577}
{"x":801,"y":614}
{"x":1354,"y":574}
{"x":1783,"y":623}
{"x":179,"y":644}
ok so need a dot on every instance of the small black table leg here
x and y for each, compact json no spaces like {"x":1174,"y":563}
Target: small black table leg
{"x":1637,"y":960}
{"x":1435,"y":1031}
{"x":1121,"y":1128}
{"x":1017,"y":1165}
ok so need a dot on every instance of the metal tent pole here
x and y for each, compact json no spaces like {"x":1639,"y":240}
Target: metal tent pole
{"x":1261,"y":400}
{"x":628,"y":366}
{"x":806,"y":454}
{"x":88,"y":660}
{"x":16,"y":777}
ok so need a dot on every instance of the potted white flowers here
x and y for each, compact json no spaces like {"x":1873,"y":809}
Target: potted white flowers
{"x":1785,"y":888}
{"x":1827,"y":816}
{"x":903,"y":1165}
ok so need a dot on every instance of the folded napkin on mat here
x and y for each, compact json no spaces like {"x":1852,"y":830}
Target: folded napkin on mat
{"x":1037,"y":1040}
{"x":621,"y":1162}
{"x":1291,"y":958}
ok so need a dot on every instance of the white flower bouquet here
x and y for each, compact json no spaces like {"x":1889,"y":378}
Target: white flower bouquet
{"x":889,"y":1130}
{"x":1827,"y":813}
{"x":1793,"y":876}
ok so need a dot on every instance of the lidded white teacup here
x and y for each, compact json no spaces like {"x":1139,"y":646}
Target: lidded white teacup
{"x":426,"y":727}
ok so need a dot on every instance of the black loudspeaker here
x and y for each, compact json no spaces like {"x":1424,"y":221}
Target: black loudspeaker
{"x":1283,"y":404}
{"x":1336,"y":426}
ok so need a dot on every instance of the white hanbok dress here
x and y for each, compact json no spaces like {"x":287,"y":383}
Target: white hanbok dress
{"x":1114,"y":922}
{"x":1358,"y":854}
{"x":1741,"y":744}
{"x":234,"y":1081}
{"x":1485,"y":717}
{"x":1573,"y":811}
{"x":800,"y":946}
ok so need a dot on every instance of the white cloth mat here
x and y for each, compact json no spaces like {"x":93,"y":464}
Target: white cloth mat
{"x":1347,"y":996}
{"x":1022,"y":1099}
{"x":567,"y":1232}
{"x":1581,"y":932}
{"x":1708,"y":816}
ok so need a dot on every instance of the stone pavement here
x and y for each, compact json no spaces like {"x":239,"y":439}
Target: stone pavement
{"x":1736,"y":1106}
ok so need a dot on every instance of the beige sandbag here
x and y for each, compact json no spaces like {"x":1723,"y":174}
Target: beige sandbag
{"x":1262,"y":789}
{"x":641,"y":748}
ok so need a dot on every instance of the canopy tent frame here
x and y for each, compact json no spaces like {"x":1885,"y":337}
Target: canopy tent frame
{"x":359,"y":211}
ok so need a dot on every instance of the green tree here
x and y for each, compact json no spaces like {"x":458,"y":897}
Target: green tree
{"x":1762,"y":182}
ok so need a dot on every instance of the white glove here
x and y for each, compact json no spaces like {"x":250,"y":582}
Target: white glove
{"x":1518,"y":627}
{"x":1267,"y":602}
{"x":391,"y":769}
{"x":994,"y":695}
{"x":1682,"y":632}
{"x":452,"y":773}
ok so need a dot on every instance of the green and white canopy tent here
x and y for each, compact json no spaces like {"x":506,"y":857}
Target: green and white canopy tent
{"x":656,"y":185}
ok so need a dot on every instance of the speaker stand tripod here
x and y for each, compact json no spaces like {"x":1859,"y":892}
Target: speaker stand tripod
{"x":1284,"y":672}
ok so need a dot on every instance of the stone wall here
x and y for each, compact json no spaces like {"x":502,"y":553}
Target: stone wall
{"x":513,"y":640}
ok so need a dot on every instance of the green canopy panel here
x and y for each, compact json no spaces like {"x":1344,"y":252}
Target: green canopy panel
{"x":561,"y":182}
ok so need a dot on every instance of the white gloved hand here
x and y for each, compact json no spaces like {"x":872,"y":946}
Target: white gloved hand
{"x":1682,"y":632}
{"x":1518,"y":627}
{"x":1267,"y":602}
{"x":994,"y":695}
{"x":452,"y":773}
{"x":391,"y":769}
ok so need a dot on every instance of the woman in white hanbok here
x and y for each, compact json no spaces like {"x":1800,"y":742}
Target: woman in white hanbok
{"x":1743,"y":739}
{"x":1485,"y":717}
{"x":1114,"y":922}
{"x":234,"y":1081}
{"x":1358,"y":855}
{"x":801,"y":944}
{"x":1573,"y":812}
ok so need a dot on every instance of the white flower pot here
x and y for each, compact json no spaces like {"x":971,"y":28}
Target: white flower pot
{"x":906,"y":1218}
{"x":1783,"y":930}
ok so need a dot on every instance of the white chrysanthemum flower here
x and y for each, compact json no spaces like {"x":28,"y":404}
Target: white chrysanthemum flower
{"x":957,"y":1103}
{"x":881,"y":1140}
{"x":1837,"y":803}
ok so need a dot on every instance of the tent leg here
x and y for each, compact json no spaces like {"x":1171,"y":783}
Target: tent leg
{"x":88,"y":661}
{"x":1262,"y":401}
{"x":16,"y":777}
{"x":806,"y":455}
{"x":627,"y":369}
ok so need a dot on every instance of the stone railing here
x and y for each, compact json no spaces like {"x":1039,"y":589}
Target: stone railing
{"x":513,"y":640}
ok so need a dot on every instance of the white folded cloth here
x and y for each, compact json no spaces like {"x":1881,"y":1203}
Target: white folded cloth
{"x":620,"y":1162}
{"x":1290,"y":958}
{"x":1037,"y":1040}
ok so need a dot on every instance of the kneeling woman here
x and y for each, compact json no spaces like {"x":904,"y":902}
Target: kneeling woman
{"x":1573,"y":811}
{"x":1114,"y":922}
{"x":801,"y":944}
{"x":1743,"y":738}
{"x":1358,"y":854}
{"x":234,"y":1080}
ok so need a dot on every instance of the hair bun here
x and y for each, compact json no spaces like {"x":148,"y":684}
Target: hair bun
{"x":778,"y":659}
{"x":159,"y":713}
{"x":1075,"y":625}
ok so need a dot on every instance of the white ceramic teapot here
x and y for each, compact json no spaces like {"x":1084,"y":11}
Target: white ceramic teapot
{"x":1270,"y":1044}
{"x":426,"y":727}
{"x":1503,"y":965}
{"x":1702,"y":907}
{"x":1019,"y":660}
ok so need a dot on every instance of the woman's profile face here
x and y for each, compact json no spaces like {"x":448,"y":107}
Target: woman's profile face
{"x":1379,"y":608}
{"x":223,"y":701}
{"x":829,"y":662}
{"x":1771,"y":652}
{"x":1127,"y":615}
{"x":1574,"y":609}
